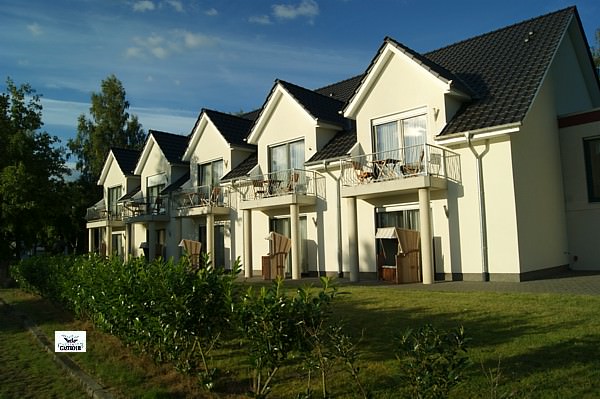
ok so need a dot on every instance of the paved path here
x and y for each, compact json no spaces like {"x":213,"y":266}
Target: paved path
{"x":579,"y":283}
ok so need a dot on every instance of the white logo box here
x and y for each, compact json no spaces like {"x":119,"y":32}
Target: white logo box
{"x":70,"y":341}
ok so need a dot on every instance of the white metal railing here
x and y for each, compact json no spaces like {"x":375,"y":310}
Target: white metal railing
{"x":202,"y":196}
{"x":146,"y":206}
{"x":284,"y":182}
{"x":420,"y":160}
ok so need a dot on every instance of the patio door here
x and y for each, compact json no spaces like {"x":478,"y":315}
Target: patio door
{"x":283,"y":226}
{"x":404,"y":219}
{"x":218,"y":257}
{"x":408,"y":134}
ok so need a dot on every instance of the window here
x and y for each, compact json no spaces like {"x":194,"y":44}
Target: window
{"x":400,"y":138}
{"x":114,"y":193}
{"x":210,"y":173}
{"x":209,"y":176}
{"x":591,"y":148}
{"x":286,"y":156}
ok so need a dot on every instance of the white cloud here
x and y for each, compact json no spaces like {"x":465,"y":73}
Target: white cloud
{"x":143,"y":5}
{"x":306,"y":8}
{"x":211,"y":12}
{"x":176,"y":4}
{"x":162,"y":46}
{"x":260,"y":19}
{"x":193,"y":40}
{"x":35,"y":29}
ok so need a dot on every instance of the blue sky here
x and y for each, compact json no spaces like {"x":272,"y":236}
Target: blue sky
{"x":176,"y":57}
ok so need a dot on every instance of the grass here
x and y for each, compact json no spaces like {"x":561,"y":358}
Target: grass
{"x":522,"y":346}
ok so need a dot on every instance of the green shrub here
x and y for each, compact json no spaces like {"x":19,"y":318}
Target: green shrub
{"x":432,"y":361}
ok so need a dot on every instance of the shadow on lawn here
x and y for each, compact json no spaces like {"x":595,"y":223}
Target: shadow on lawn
{"x":24,"y":306}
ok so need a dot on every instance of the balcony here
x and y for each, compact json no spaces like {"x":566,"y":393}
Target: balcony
{"x":146,"y":209}
{"x":202,"y":200}
{"x":100,"y":216}
{"x":400,"y":171}
{"x":283,"y":188}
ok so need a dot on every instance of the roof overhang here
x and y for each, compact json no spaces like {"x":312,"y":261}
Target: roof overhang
{"x":150,"y":143}
{"x":202,"y":123}
{"x":478,"y":134}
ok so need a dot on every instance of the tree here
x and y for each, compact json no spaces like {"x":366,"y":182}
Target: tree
{"x":32,"y":167}
{"x":110,"y":126}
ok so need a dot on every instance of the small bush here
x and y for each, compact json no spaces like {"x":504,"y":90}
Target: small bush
{"x":432,"y":361}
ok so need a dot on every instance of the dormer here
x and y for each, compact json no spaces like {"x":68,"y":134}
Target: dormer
{"x":293,"y":125}
{"x":117,"y":177}
{"x":217,"y":145}
{"x":405,"y":92}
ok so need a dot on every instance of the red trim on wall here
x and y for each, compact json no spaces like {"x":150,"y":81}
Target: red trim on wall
{"x":579,"y":119}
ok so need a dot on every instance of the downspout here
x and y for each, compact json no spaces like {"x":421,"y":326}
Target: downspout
{"x":338,"y":218}
{"x":485,"y":276}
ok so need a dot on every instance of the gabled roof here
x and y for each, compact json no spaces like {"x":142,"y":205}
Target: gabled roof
{"x":319,"y":106}
{"x":243,"y":168}
{"x":233,"y":129}
{"x":338,"y":147}
{"x":171,"y":145}
{"x":505,"y":68}
{"x":125,"y":160}
{"x":501,"y":71}
{"x":341,"y":91}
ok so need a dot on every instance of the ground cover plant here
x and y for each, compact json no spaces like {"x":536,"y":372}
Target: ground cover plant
{"x":520,"y":345}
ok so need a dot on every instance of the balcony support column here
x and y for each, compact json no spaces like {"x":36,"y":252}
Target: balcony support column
{"x":90,"y":240}
{"x":247,"y":220}
{"x":426,"y":236}
{"x":109,"y":248}
{"x":127,"y":243}
{"x":352,"y":239}
{"x":295,"y":226}
{"x":152,"y":240}
{"x":210,"y":237}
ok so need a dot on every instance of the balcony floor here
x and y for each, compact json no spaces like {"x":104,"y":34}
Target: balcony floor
{"x":407,"y":185}
{"x":279,"y":201}
{"x":193,"y":211}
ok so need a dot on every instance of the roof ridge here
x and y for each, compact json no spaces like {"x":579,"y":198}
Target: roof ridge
{"x":308,"y":90}
{"x":571,"y":8}
{"x":340,"y":82}
{"x":225,"y":114}
{"x":151,"y":131}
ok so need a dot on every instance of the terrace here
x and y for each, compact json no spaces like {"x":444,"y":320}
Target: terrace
{"x":399,"y":171}
{"x":202,"y":200}
{"x":283,"y":188}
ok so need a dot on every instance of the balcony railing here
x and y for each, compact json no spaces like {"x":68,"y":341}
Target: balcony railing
{"x":202,"y":196}
{"x":146,"y":206}
{"x":285,"y":182}
{"x":421,"y":160}
{"x":95,"y":213}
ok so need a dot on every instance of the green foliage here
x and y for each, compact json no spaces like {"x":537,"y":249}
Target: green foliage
{"x":31,"y":170}
{"x":596,"y":52}
{"x":276,"y":326}
{"x":433,"y":361}
{"x":110,"y":126}
{"x":164,"y":309}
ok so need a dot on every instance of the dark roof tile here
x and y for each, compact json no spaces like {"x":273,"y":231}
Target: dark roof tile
{"x":172,"y":145}
{"x":243,"y":168}
{"x":320,"y":106}
{"x":234,"y":129}
{"x":336,"y":148}
{"x":126,"y":159}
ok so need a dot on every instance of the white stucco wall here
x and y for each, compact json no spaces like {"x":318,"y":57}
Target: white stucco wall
{"x":583,"y":217}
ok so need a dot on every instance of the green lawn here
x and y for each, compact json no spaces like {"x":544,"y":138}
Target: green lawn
{"x":522,"y":345}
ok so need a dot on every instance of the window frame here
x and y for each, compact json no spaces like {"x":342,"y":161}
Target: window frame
{"x":592,"y":169}
{"x":398,"y":119}
{"x":288,"y":146}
